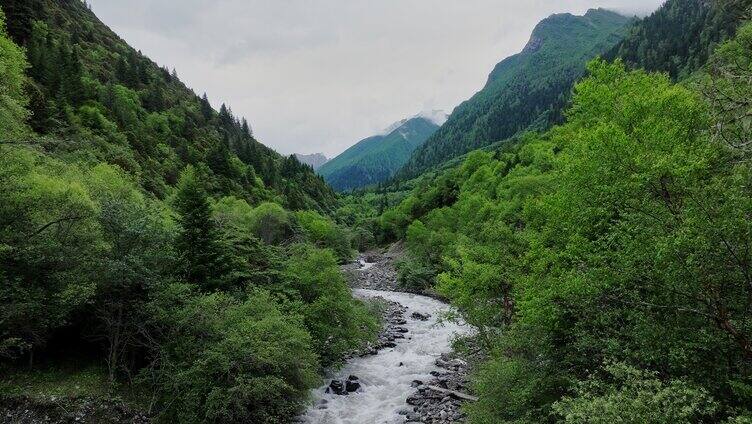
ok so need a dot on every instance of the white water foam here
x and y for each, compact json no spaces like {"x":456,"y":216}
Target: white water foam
{"x":385,"y":385}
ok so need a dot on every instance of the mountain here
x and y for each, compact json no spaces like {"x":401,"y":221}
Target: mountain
{"x":100,"y":100}
{"x":680,"y":36}
{"x":376,"y":159}
{"x":315,"y":160}
{"x":527,"y":90}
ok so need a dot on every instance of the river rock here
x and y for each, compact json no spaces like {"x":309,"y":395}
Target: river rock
{"x":352,"y":384}
{"x":337,"y":387}
{"x":437,"y":407}
{"x":420,"y":317}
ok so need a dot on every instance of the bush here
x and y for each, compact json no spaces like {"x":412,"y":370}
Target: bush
{"x":324,"y":233}
{"x":226,"y":360}
{"x":414,"y":275}
{"x":628,"y":395}
{"x":337,"y":322}
{"x":511,"y":391}
{"x":271,"y":223}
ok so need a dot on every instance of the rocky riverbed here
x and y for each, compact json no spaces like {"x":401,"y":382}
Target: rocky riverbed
{"x":440,"y":399}
{"x":410,"y":375}
{"x":375,"y":270}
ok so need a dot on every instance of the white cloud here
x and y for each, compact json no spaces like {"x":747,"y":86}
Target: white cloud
{"x":319,"y":75}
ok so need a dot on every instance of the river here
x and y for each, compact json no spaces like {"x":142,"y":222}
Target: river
{"x":385,"y":384}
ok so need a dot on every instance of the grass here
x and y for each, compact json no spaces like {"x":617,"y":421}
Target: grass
{"x":57,"y":381}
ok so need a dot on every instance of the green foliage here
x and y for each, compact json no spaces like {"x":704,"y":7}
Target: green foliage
{"x":512,"y":391}
{"x":198,"y":243}
{"x":87,"y":254}
{"x":86,"y":85}
{"x":227,"y":360}
{"x":271,"y":223}
{"x":680,"y":37}
{"x":619,"y":236}
{"x":728,"y":91}
{"x":376,"y":159}
{"x":205,"y":311}
{"x":414,"y":276}
{"x":325,"y":234}
{"x":337,"y":323}
{"x":48,"y":238}
{"x":525,"y":91}
{"x":13,"y":99}
{"x":633,"y":396}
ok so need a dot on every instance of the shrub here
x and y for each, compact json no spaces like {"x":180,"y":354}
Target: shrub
{"x":336,"y":321}
{"x":414,"y":275}
{"x":271,"y":223}
{"x":628,"y":395}
{"x":226,"y":360}
{"x":324,"y":233}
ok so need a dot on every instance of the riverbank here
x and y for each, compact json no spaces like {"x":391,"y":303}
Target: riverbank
{"x":418,"y":380}
{"x":388,"y":378}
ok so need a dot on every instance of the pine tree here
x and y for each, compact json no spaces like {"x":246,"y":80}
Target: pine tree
{"x":198,"y":244}
{"x":247,"y":128}
{"x":206,"y":109}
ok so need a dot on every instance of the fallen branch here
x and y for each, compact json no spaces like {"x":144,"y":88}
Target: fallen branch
{"x":454,"y":393}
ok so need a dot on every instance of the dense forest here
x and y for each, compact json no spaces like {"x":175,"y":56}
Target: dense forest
{"x":605,"y":262}
{"x":679,"y":37}
{"x":374,"y":160}
{"x":150,"y":248}
{"x":94,"y":98}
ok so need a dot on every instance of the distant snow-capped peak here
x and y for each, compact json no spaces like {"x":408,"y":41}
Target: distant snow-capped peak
{"x":390,"y":129}
{"x":438,"y":117}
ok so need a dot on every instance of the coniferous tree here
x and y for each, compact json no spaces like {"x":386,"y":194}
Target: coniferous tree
{"x":247,"y":128}
{"x":198,"y":243}
{"x":206,"y":109}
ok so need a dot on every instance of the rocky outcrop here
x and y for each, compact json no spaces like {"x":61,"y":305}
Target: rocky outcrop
{"x":420,"y":317}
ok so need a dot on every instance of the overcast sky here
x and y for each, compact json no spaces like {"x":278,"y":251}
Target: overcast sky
{"x":319,"y":75}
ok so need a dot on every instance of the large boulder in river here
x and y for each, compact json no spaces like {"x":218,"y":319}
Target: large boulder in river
{"x":337,"y":387}
{"x":352,"y":384}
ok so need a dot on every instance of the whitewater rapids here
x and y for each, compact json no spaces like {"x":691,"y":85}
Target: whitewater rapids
{"x":385,"y":385}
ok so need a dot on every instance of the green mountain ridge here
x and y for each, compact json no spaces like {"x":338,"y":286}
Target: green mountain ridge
{"x":375,"y":159}
{"x":526,"y":90}
{"x":110,"y":103}
{"x":679,"y":37}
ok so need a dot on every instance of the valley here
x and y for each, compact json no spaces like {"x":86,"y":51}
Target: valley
{"x":568,"y":245}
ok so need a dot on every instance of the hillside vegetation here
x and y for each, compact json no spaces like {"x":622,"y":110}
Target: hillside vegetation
{"x":604,"y":262}
{"x":99,"y":100}
{"x":375,"y":159}
{"x":680,"y":36}
{"x":527,"y":90}
{"x":151,"y":251}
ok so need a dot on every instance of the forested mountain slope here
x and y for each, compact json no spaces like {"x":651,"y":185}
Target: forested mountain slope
{"x":605,"y":262}
{"x":148,"y":269}
{"x":680,"y":36}
{"x":376,"y":159}
{"x":100,"y":100}
{"x":527,"y":90}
